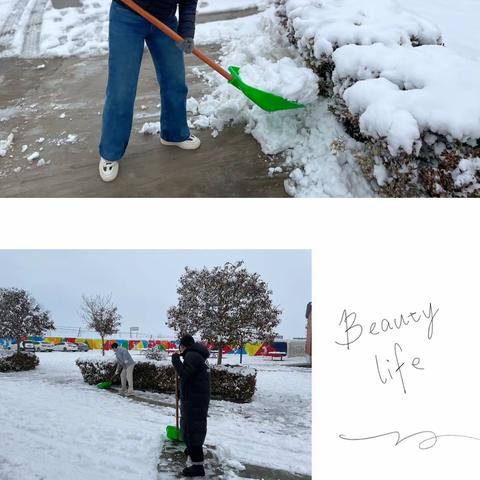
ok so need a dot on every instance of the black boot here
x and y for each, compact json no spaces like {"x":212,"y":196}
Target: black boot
{"x":194,"y":471}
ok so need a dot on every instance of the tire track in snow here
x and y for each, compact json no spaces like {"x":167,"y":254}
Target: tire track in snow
{"x":9,"y":28}
{"x":31,"y":40}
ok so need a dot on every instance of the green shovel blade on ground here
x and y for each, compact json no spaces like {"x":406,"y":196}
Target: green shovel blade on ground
{"x":265,"y":100}
{"x":173,"y":432}
{"x":106,"y":384}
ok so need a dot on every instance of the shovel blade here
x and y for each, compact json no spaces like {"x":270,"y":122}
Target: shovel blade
{"x":107,"y":384}
{"x":265,"y":100}
{"x":173,"y":433}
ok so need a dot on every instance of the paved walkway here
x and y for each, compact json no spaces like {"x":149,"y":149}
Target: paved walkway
{"x":66,"y":97}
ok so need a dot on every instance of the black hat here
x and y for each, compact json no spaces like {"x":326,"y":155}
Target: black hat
{"x":187,"y":341}
{"x":114,"y":345}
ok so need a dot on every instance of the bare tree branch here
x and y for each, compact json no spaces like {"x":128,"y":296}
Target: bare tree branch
{"x":101,"y":315}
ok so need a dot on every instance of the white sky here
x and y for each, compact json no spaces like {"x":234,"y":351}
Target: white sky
{"x":143,"y":283}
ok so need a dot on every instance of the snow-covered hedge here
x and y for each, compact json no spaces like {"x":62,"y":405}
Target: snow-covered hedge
{"x":317,"y":29}
{"x":12,"y":361}
{"x":419,"y":111}
{"x":413,"y":102}
{"x":232,"y":383}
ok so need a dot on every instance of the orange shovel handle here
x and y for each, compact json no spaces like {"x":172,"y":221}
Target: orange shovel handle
{"x":175,"y":36}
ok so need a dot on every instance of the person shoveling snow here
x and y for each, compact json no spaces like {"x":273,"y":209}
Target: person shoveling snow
{"x":194,"y":373}
{"x":125,"y":366}
{"x":128,"y":32}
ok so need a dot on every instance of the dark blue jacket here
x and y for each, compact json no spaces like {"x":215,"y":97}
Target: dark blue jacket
{"x":165,"y":9}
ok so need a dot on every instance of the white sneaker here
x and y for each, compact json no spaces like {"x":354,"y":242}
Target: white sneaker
{"x":191,"y":143}
{"x":128,"y":393}
{"x":108,"y":170}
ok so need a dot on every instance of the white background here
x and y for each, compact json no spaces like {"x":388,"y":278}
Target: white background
{"x":377,"y":257}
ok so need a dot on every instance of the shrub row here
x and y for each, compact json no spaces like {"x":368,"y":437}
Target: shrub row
{"x":18,"y":362}
{"x":232,"y":383}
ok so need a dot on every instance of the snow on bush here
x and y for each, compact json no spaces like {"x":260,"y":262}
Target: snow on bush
{"x":317,"y":29}
{"x":12,"y":361}
{"x":232,"y":383}
{"x":400,"y":94}
{"x":420,"y":118}
{"x":301,"y":141}
{"x":413,"y":102}
{"x":156,"y":354}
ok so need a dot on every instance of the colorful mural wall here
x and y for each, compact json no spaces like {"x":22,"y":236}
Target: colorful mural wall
{"x":251,"y":349}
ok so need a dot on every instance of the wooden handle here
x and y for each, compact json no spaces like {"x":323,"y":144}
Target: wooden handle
{"x":175,"y":36}
{"x":176,"y":401}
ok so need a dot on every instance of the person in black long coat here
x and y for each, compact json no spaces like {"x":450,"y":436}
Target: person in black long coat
{"x":194,"y":373}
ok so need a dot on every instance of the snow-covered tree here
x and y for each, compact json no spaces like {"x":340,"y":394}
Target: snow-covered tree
{"x":224,"y":305}
{"x":21,"y":315}
{"x":101,"y":315}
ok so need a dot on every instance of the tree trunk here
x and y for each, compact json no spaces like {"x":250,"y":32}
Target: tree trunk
{"x":220,"y":354}
{"x":18,"y":345}
{"x":103,"y":346}
{"x":241,"y":352}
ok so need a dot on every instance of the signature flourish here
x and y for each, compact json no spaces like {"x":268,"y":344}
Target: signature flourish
{"x":430,"y":440}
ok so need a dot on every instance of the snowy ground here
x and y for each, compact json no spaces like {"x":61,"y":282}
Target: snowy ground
{"x":53,"y":422}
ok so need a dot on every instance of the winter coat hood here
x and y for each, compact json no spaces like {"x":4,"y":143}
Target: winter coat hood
{"x":199,"y":348}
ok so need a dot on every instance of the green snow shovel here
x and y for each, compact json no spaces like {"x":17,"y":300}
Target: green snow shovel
{"x":106,"y":384}
{"x":265,"y":100}
{"x":173,"y":432}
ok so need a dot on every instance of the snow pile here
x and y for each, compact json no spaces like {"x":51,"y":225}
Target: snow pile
{"x":301,"y":140}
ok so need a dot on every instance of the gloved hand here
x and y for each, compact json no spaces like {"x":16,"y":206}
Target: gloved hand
{"x":175,"y":356}
{"x":187,"y":45}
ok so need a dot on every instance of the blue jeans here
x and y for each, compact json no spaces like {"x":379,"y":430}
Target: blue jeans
{"x":127,"y":33}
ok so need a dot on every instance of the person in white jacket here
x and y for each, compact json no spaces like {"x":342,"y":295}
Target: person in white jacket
{"x":125,"y":365}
